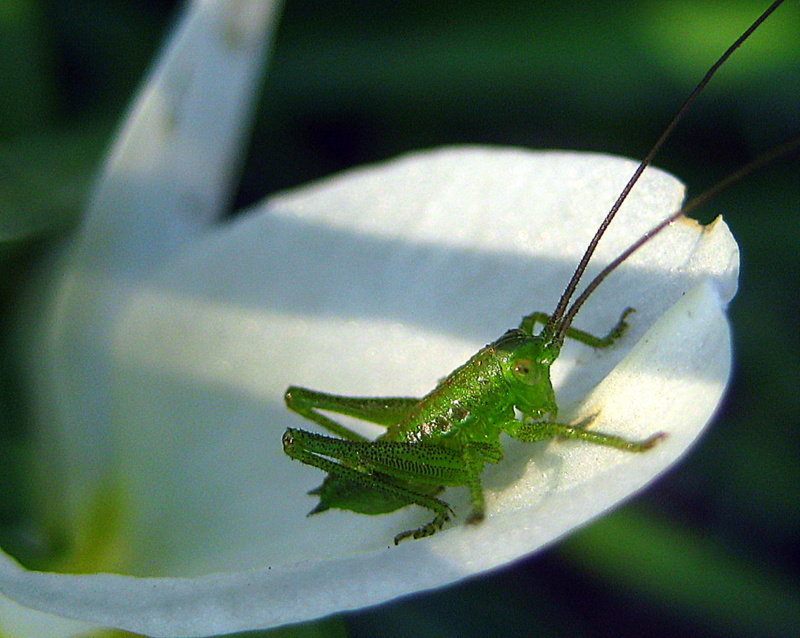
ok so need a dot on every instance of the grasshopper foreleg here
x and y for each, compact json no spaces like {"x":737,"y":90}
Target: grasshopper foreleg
{"x":529,"y":321}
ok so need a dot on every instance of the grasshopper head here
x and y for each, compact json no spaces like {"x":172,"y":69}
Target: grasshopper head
{"x":526,"y":366}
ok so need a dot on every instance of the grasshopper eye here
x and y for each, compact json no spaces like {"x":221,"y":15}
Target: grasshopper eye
{"x":522,"y":367}
{"x":527,"y":371}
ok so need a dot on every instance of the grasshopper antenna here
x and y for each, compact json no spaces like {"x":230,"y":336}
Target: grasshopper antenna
{"x":560,"y":320}
{"x":765,"y":158}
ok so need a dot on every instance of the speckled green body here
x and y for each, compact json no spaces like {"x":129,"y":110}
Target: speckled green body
{"x":476,"y":401}
{"x":446,"y":437}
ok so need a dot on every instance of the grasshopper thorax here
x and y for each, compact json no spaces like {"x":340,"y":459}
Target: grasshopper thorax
{"x":526,"y":361}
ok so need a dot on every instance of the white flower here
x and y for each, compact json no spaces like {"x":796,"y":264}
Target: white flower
{"x":164,"y":339}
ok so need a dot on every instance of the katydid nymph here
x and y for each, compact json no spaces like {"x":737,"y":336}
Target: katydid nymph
{"x":445,"y":438}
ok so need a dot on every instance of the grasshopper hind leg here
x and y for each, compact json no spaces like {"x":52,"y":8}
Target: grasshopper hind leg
{"x":361,"y":490}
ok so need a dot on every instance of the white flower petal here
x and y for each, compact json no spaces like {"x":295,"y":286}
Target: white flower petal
{"x":380,"y":282}
{"x":17,"y":621}
{"x":168,"y":177}
{"x":169,"y":173}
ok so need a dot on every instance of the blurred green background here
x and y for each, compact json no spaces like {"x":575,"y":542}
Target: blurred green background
{"x":713,"y":548}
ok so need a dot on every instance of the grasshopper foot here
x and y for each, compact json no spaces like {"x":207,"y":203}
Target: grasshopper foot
{"x":426,"y":530}
{"x":650,"y":441}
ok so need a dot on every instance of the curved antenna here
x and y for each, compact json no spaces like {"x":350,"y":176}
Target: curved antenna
{"x":765,"y":158}
{"x":557,"y":326}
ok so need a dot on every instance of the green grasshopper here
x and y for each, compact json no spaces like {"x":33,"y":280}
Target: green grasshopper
{"x":445,"y":438}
